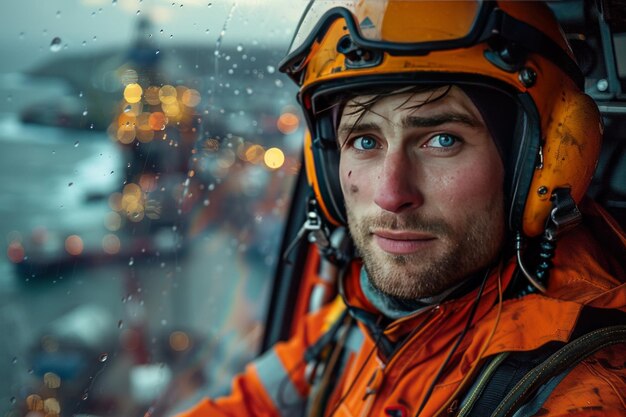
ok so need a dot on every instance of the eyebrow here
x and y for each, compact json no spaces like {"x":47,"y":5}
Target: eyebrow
{"x":414,"y":121}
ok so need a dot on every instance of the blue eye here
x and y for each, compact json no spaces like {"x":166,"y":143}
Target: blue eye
{"x":442,"y":140}
{"x":365,"y":143}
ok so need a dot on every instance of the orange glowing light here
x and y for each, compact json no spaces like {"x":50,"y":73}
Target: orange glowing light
{"x":148,"y":182}
{"x":132,"y":189}
{"x":133,"y":92}
{"x":74,"y":245}
{"x":50,"y":379}
{"x":126,"y":134}
{"x":51,"y":406}
{"x":34,"y":402}
{"x":254,"y":154}
{"x":145,"y":136}
{"x":111,"y":244}
{"x":167,"y":94}
{"x":15,"y":252}
{"x":115,"y":201}
{"x":211,"y":145}
{"x":179,"y":341}
{"x":171,"y":109}
{"x":191,"y":98}
{"x":274,"y":158}
{"x":151,"y":95}
{"x":157,"y":121}
{"x":126,"y":119}
{"x":287,"y":123}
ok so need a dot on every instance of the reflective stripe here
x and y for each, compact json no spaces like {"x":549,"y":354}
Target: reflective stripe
{"x":279,"y":386}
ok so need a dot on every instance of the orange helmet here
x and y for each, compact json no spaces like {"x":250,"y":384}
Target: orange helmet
{"x":513,"y":47}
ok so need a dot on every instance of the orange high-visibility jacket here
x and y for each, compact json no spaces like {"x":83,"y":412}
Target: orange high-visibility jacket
{"x":589,"y":270}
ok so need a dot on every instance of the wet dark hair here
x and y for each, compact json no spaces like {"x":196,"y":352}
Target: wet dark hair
{"x":497,"y":108}
{"x":361,"y":108}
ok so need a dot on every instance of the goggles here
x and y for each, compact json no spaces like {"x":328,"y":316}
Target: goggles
{"x":395,"y":27}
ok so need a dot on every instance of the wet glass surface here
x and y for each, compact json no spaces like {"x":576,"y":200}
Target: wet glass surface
{"x":148,"y":153}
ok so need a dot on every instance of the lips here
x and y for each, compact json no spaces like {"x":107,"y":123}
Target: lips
{"x":399,"y":242}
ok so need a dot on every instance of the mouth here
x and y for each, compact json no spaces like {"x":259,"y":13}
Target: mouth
{"x":402,"y":242}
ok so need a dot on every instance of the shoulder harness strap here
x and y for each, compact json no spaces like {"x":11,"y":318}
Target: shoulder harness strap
{"x":518,"y":383}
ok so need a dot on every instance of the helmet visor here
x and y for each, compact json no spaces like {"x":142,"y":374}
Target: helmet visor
{"x":402,"y":22}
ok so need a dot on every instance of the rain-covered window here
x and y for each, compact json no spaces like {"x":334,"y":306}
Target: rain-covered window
{"x":149,"y":148}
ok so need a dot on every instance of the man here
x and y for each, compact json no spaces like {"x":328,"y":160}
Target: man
{"x":453,"y":139}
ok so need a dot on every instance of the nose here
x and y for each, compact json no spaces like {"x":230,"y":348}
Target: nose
{"x":397,"y":187}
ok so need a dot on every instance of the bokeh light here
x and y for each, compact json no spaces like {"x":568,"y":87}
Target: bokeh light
{"x":132,"y":93}
{"x":191,"y":98}
{"x":112,"y":221}
{"x":287,"y":123}
{"x":157,"y":121}
{"x":34,"y":402}
{"x":274,"y":158}
{"x":51,"y":380}
{"x":51,"y":407}
{"x":179,"y":341}
{"x":111,"y":244}
{"x":74,"y":245}
{"x":15,"y":252}
{"x":151,"y":95}
{"x":167,"y":94}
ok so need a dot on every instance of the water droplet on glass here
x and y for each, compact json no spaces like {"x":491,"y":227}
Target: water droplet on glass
{"x":13,"y":400}
{"x":58,"y":14}
{"x":239,"y":48}
{"x":120,"y":324}
{"x":249,"y":91}
{"x":85,"y":112}
{"x":83,"y":43}
{"x":278,"y":83}
{"x":70,"y":184}
{"x":55,"y":45}
{"x":131,"y":262}
{"x":22,"y":35}
{"x":103,"y":357}
{"x":76,"y":144}
{"x":206,"y":202}
{"x":80,"y":94}
{"x":163,"y":322}
{"x":14,"y":360}
{"x":157,"y":52}
{"x":271,"y":69}
{"x":114,"y":2}
{"x":207,"y":31}
{"x":85,"y":396}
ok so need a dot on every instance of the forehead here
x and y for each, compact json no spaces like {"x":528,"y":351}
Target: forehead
{"x":396,"y":103}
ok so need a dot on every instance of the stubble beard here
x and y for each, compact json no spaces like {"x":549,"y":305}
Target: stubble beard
{"x":433,"y":270}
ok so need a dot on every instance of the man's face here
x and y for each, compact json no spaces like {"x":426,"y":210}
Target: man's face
{"x":423,"y":190}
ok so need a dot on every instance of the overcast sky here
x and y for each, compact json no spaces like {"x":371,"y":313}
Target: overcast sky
{"x":28,"y":27}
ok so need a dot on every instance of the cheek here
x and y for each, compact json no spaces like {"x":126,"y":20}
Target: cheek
{"x":471,"y":185}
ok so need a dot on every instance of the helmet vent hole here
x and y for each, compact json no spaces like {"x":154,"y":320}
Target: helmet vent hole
{"x":357,"y":57}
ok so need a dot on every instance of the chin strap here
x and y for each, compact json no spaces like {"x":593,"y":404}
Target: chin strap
{"x":564,"y":216}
